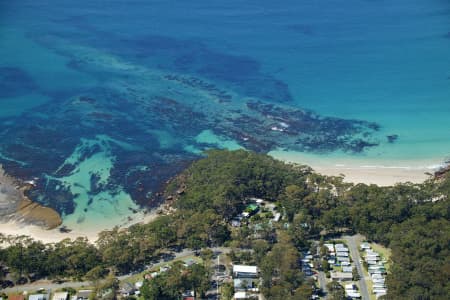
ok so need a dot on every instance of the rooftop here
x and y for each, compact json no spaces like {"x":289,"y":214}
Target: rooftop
{"x":245,"y":269}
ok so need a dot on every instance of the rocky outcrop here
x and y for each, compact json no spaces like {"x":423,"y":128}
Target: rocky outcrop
{"x":15,"y":206}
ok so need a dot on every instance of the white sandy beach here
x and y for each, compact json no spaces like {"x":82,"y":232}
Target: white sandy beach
{"x":363,"y":170}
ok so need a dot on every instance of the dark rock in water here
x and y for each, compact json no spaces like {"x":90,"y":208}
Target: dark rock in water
{"x":15,"y":82}
{"x":96,"y":187}
{"x":392,"y":138}
{"x":64,"y":229}
{"x":447,"y":35}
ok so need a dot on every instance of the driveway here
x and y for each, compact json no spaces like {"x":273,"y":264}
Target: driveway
{"x":352,"y":242}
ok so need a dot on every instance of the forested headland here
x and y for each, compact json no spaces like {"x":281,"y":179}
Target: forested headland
{"x":411,"y":219}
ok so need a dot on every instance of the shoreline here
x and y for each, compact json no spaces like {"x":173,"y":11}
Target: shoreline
{"x":365,"y":170}
{"x":15,"y":228}
{"x":355,"y":170}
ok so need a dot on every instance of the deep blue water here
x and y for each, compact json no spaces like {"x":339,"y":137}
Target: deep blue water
{"x":126,"y":93}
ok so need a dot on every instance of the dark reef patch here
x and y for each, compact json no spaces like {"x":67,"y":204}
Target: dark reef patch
{"x":150,"y":88}
{"x":15,"y":82}
{"x":392,"y":138}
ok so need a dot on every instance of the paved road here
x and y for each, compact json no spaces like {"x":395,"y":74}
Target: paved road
{"x":321,"y":276}
{"x":354,"y":253}
{"x":323,"y":284}
{"x":47,"y":284}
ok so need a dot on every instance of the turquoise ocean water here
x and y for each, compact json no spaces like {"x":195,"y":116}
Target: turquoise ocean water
{"x":96,"y":95}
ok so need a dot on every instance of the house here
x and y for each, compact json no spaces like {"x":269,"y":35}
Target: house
{"x":277,"y":217}
{"x":378,"y":280}
{"x":240,"y":295}
{"x":377,"y":276}
{"x":16,"y":297}
{"x":60,"y":296}
{"x":378,"y":291}
{"x":330,"y":247}
{"x":242,"y":271}
{"x":340,"y":276}
{"x":138,"y":284}
{"x":365,"y":246}
{"x":379,"y":286}
{"x":84,"y":294}
{"x":347,"y":269}
{"x":354,"y":295}
{"x":342,"y":249}
{"x":343,"y":259}
{"x":39,"y":297}
{"x":342,"y":254}
{"x":188,"y":295}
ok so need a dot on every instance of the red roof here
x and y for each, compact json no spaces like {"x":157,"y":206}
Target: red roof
{"x":16,"y":297}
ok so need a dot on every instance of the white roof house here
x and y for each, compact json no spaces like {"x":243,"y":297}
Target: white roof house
{"x":341,"y":249}
{"x":277,"y":217}
{"x":364,"y":246}
{"x":341,"y":259}
{"x":245,"y":271}
{"x":329,"y":246}
{"x":354,"y":295}
{"x":378,"y":280}
{"x":60,"y":296}
{"x":344,"y":254}
{"x":240,"y":295}
{"x":39,"y":297}
{"x":347,"y":269}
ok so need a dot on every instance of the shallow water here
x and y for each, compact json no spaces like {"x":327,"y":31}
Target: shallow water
{"x":105,"y":101}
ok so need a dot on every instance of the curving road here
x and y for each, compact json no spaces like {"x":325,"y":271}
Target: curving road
{"x":352,"y":242}
{"x":48,"y":285}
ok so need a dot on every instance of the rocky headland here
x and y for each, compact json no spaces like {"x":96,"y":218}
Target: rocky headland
{"x":16,"y":207}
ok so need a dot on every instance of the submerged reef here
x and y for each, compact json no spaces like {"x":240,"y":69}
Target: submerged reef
{"x":138,"y":126}
{"x":15,"y":82}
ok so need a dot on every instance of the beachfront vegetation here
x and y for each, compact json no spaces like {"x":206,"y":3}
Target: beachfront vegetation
{"x":411,"y":219}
